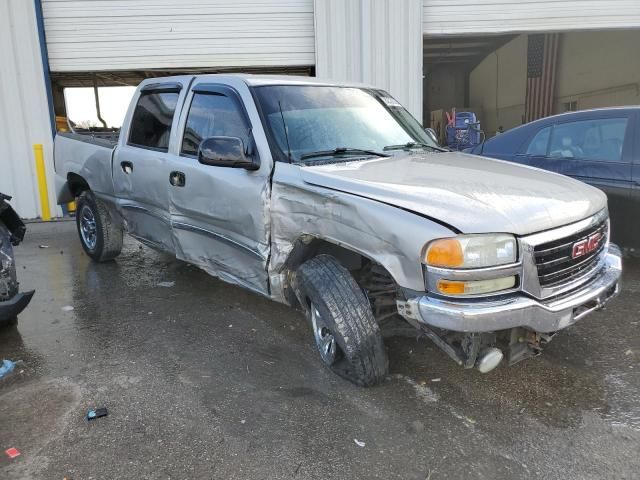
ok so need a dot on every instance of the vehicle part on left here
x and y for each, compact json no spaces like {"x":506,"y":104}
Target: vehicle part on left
{"x":12,"y":231}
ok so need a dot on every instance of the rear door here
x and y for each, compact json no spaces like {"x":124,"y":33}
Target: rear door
{"x":597,"y":151}
{"x":140,"y":170}
{"x":220,"y":215}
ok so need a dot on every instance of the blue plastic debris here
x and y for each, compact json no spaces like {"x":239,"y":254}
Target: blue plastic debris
{"x":97,"y":413}
{"x":7,"y":366}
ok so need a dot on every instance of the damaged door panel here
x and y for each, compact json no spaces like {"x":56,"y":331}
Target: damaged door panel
{"x":219,"y":216}
{"x":141,"y":162}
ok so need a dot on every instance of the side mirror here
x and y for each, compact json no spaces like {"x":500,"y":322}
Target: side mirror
{"x":225,"y":152}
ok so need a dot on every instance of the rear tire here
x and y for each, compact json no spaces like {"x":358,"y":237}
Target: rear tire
{"x":100,"y":234}
{"x":345,"y":331}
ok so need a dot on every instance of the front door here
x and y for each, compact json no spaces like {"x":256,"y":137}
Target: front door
{"x":220,"y":215}
{"x":140,"y":163}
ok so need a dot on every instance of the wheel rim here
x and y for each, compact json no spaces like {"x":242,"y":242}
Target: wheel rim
{"x":88,"y":229}
{"x":325,"y":340}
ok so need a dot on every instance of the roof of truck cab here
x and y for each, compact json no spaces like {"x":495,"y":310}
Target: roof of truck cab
{"x":256,"y":80}
{"x":260,"y":80}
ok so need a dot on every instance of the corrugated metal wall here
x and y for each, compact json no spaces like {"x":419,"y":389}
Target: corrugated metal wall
{"x":378,"y":42}
{"x":24,"y":114}
{"x":144,"y":34}
{"x":458,"y":17}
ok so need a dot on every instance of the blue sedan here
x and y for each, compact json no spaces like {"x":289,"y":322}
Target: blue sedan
{"x":600,"y":147}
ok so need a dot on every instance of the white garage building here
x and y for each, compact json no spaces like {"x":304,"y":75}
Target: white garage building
{"x":429,"y":54}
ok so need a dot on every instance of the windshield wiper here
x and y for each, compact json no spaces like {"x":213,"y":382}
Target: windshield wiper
{"x":409,"y":145}
{"x":342,"y":151}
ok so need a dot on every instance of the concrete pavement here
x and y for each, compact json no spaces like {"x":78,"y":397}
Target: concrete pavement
{"x":204,"y":380}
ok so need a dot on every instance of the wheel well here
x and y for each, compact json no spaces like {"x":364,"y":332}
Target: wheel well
{"x":77,"y":184}
{"x":375,"y":280}
{"x":306,"y":248}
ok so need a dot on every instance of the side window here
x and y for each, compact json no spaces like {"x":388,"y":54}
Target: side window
{"x":599,"y":139}
{"x":151,"y":121}
{"x":539,"y":143}
{"x":213,"y":115}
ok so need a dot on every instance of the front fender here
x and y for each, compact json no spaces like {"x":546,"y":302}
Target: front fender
{"x":390,"y":236}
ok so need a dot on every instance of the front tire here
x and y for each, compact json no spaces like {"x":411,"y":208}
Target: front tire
{"x":100,"y":234}
{"x":346,"y":333}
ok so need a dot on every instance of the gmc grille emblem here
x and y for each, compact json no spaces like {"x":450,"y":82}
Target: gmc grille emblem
{"x":586,"y":246}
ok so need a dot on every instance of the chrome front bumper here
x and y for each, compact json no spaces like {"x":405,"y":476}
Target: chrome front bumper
{"x":520,"y":310}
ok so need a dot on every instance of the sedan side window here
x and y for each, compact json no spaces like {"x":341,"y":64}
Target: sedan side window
{"x":212,"y":115}
{"x":599,"y":139}
{"x":540,"y":142}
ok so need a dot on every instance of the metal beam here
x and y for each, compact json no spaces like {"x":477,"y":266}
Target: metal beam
{"x":44,"y":55}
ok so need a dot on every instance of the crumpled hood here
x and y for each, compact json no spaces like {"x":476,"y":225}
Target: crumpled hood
{"x":470,"y":193}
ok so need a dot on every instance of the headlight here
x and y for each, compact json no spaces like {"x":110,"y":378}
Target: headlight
{"x":471,"y":251}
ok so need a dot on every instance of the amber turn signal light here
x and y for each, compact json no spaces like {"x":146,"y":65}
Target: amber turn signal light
{"x":446,"y":252}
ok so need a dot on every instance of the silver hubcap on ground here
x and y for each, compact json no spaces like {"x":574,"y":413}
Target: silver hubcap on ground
{"x":88,"y":229}
{"x":325,"y":340}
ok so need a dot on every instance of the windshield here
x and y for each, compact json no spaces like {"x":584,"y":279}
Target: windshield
{"x":335,"y":122}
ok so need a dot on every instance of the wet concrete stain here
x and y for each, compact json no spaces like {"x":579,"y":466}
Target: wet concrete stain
{"x":206,"y":380}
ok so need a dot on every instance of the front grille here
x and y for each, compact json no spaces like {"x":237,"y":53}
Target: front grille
{"x":554,"y":259}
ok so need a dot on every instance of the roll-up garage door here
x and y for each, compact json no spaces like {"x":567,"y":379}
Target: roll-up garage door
{"x":459,"y":17}
{"x":95,"y":35}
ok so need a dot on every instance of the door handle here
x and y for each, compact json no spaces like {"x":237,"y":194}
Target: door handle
{"x":177,"y":179}
{"x":127,"y":167}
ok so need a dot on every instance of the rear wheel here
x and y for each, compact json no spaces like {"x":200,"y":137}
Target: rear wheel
{"x":345,"y":332}
{"x":100,"y":234}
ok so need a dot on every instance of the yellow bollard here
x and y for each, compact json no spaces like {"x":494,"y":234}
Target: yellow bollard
{"x":71,"y":207}
{"x":42,"y":181}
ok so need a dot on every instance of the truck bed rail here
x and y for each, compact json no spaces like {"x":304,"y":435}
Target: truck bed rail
{"x":103,"y":139}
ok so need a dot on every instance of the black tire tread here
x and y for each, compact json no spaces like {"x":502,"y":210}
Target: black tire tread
{"x":333,"y":289}
{"x":110,"y":233}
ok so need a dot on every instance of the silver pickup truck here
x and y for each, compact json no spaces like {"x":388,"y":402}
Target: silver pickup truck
{"x":332,"y":198}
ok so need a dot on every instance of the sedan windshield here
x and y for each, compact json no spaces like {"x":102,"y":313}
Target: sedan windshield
{"x":336,"y":123}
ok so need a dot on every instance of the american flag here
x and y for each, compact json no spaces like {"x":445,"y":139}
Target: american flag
{"x":542,"y":57}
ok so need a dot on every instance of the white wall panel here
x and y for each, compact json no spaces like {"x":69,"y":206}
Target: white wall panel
{"x":458,"y":17}
{"x":24,"y":114}
{"x":377,"y":42}
{"x":90,"y":35}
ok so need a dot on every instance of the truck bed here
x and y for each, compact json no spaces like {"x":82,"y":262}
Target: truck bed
{"x":88,"y":155}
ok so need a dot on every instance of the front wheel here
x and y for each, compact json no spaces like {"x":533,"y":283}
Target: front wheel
{"x":100,"y":234}
{"x":345,"y":331}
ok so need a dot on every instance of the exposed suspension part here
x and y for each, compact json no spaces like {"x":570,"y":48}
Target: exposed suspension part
{"x":380,"y":289}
